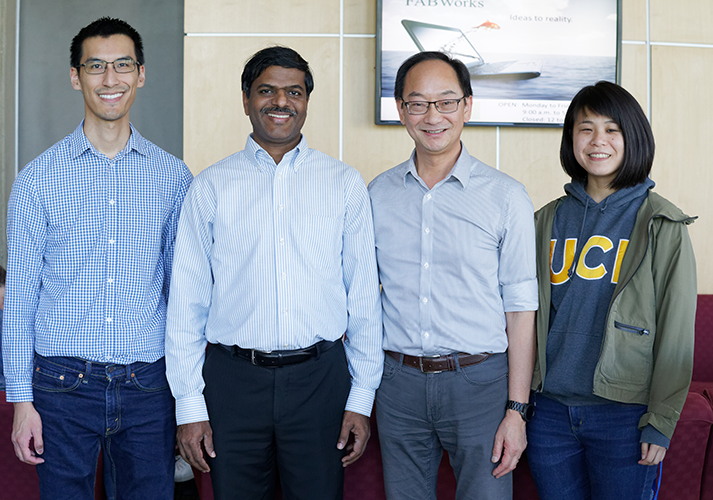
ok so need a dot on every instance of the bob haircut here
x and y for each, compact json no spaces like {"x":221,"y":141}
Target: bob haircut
{"x":461,"y":71}
{"x":105,"y":27}
{"x":275,"y":56}
{"x":611,"y":100}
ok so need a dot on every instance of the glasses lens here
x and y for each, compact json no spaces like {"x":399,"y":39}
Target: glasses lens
{"x":124,"y":65}
{"x":417,"y":107}
{"x":448,"y":106}
{"x":95,"y":67}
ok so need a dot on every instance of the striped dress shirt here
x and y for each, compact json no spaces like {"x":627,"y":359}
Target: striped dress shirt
{"x":452,"y":259}
{"x":90,"y":248}
{"x":274,"y":257}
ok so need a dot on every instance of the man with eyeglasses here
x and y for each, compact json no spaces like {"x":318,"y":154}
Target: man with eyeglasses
{"x":91,"y":229}
{"x":455,"y":247}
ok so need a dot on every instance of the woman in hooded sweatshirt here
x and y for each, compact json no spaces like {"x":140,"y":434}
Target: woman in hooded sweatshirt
{"x":615,"y":326}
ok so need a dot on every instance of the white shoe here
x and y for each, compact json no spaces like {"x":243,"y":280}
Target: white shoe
{"x":184,"y":472}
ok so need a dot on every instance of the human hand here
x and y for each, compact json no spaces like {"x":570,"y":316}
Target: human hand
{"x":358,"y":425}
{"x":510,"y":442}
{"x":651,"y":454}
{"x":27,"y":434}
{"x":189,"y":438}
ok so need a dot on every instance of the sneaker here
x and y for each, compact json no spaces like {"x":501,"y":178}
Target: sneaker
{"x":184,"y":472}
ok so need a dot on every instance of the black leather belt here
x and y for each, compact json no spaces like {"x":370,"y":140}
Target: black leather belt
{"x":277,"y":359}
{"x":437,"y":364}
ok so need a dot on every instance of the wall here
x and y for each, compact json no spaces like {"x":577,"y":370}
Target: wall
{"x":7,"y":113}
{"x":667,"y":63}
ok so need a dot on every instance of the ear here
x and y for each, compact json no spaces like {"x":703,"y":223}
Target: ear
{"x":74,"y":79}
{"x":245,"y":104}
{"x":467,"y":108}
{"x":401,"y":108}
{"x":142,"y":77}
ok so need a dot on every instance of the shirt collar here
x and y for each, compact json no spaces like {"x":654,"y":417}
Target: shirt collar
{"x":260,"y":158}
{"x":80,"y":144}
{"x":460,"y":171}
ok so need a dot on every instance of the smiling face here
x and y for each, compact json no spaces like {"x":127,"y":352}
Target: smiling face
{"x":434,"y":133}
{"x":277,"y":108}
{"x":598,"y":145}
{"x":109,"y":96}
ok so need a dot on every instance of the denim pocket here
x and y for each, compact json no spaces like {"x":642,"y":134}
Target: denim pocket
{"x":151,"y":377}
{"x":391,"y":366}
{"x":492,"y":370}
{"x":51,"y":377}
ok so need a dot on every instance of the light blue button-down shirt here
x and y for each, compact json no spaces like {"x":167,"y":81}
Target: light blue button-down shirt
{"x":274,"y":257}
{"x":90,"y":248}
{"x":452,"y":259}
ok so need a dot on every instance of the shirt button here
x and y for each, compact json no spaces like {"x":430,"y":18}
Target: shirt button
{"x":282,"y":241}
{"x":110,"y":280}
{"x":111,"y":242}
{"x":281,"y":207}
{"x":426,"y":265}
{"x":284,"y":311}
{"x":427,"y":230}
{"x":108,"y":320}
{"x":111,"y":202}
{"x":425,"y":300}
{"x":428,"y":196}
{"x":425,"y":335}
{"x":284,"y":276}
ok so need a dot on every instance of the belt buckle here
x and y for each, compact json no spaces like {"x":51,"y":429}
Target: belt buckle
{"x":252,"y":357}
{"x":420,"y":362}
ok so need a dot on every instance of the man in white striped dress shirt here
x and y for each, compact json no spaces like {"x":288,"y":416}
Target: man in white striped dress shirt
{"x":275,"y":273}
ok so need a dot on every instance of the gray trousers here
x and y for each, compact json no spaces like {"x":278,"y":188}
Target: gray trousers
{"x":420,"y":415}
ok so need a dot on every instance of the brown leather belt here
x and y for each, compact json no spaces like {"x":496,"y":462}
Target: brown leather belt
{"x":437,"y":364}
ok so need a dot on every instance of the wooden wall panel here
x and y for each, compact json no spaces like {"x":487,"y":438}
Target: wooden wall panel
{"x":240,"y":16}
{"x":681,"y":119}
{"x":633,"y":14}
{"x":531,"y":155}
{"x":360,"y":16}
{"x":633,"y":72}
{"x":685,"y":21}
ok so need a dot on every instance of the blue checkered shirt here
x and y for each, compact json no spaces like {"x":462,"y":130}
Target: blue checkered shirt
{"x":90,"y":249}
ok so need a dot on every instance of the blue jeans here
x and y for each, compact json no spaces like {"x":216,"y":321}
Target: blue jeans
{"x":127,"y":411}
{"x":587,"y":452}
{"x":420,"y":415}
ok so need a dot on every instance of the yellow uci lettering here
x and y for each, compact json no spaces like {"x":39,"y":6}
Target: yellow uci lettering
{"x":570,"y":246}
{"x":593,"y":273}
{"x":619,"y":257}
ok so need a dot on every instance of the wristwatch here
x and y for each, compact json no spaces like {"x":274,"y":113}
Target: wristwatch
{"x":525,"y":410}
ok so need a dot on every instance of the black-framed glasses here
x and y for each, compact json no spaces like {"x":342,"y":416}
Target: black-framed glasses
{"x":443,"y":106}
{"x":98,"y":67}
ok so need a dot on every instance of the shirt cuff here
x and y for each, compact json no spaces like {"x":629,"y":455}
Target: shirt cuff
{"x":520,"y":296}
{"x":652,"y":435}
{"x":21,"y":393}
{"x":191,"y":409}
{"x":360,"y":401}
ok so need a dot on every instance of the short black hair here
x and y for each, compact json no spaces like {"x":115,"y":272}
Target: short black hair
{"x":613,"y":101}
{"x":105,"y":27}
{"x":275,"y":56}
{"x":461,"y":71}
{"x":3,"y":274}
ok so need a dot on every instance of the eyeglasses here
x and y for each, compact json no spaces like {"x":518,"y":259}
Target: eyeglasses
{"x":98,"y":67}
{"x":443,"y":106}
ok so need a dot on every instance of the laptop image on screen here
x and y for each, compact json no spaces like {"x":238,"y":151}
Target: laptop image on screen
{"x":452,"y":41}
